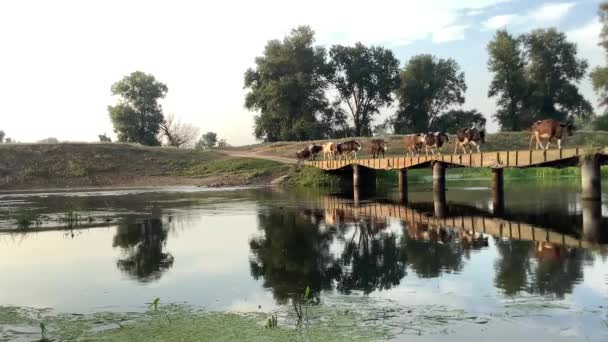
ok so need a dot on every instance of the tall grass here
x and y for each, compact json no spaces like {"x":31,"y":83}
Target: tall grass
{"x":307,"y":176}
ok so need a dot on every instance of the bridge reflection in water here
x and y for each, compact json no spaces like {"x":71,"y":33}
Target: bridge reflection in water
{"x":590,"y":236}
{"x":333,"y":243}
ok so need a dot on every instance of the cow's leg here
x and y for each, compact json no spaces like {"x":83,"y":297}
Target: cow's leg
{"x":559,"y":144}
{"x":464,"y":149}
{"x":426,"y":150}
{"x":456,"y":143}
{"x":474,"y":144}
{"x":548,"y":142}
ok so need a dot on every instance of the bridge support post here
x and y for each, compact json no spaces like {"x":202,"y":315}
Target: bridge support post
{"x":498,"y":192}
{"x":356,"y":175}
{"x":402,"y":185}
{"x":439,"y":177}
{"x":439,"y":203}
{"x":590,"y":177}
{"x":592,"y":220}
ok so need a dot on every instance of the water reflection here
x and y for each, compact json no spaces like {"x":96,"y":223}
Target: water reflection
{"x":346,"y":245}
{"x":292,"y":252}
{"x":143,"y":242}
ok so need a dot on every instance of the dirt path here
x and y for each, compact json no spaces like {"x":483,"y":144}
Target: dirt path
{"x":244,"y":154}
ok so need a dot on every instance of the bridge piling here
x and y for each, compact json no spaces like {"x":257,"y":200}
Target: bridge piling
{"x":498,"y":193}
{"x":402,"y":185}
{"x":590,"y":178}
{"x":439,"y":177}
{"x":592,"y":220}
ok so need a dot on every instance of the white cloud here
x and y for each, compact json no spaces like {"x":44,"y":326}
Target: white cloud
{"x":449,"y":33}
{"x":499,"y":21}
{"x":545,"y":15}
{"x":586,"y":38}
{"x":551,"y":12}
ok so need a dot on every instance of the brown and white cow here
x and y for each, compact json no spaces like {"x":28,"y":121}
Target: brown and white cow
{"x":413,"y":143}
{"x":349,"y":149}
{"x":378,"y":146}
{"x":469,"y":137}
{"x":549,"y":129}
{"x":303,"y":154}
{"x":434,"y":141}
{"x":329,"y":150}
{"x":314,"y":149}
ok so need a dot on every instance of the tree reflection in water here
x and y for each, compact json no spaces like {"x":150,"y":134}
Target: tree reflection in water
{"x":371,"y":259}
{"x":292,"y":253}
{"x":143,"y":243}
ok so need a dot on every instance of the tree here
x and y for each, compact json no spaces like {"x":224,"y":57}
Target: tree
{"x":222,"y":143}
{"x":365,"y":78}
{"x":599,"y":75}
{"x":509,"y":84}
{"x":287,"y":88}
{"x":50,"y":140}
{"x":138,"y":115}
{"x":553,"y":69}
{"x":451,"y":121}
{"x":177,"y":133}
{"x":207,"y":140}
{"x":428,"y":87}
{"x":2,"y":135}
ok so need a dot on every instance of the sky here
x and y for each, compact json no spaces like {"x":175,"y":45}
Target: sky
{"x":58,"y":59}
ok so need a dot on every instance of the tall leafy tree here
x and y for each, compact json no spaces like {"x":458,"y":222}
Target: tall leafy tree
{"x":553,"y":70}
{"x":138,"y":115}
{"x":454,"y":119}
{"x":365,"y":78}
{"x":599,"y":75}
{"x":287,"y":88}
{"x":428,"y":87}
{"x":509,"y":85}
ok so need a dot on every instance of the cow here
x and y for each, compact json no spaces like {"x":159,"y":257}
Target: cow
{"x":378,"y":146}
{"x":329,"y":149}
{"x":413,"y":143}
{"x":303,"y":154}
{"x":469,"y":136}
{"x":349,"y":148}
{"x":314,"y":149}
{"x":549,"y":129}
{"x":435,"y":140}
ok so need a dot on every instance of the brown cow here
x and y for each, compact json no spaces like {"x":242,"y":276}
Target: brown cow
{"x":469,"y":136}
{"x":435,"y":140}
{"x":549,"y":129}
{"x":349,"y":148}
{"x":303,"y":154}
{"x":378,"y":146}
{"x":314,"y":150}
{"x":413,"y":143}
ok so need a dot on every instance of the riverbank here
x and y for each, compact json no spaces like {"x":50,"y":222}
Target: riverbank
{"x":79,"y":165}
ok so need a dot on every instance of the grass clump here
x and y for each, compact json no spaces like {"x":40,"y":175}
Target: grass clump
{"x":25,"y":218}
{"x":307,"y":176}
{"x":75,"y":169}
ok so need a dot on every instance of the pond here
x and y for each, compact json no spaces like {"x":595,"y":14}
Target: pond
{"x":536,"y":269}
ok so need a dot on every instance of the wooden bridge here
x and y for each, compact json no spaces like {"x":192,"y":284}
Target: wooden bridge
{"x":494,"y":226}
{"x":588,"y":159}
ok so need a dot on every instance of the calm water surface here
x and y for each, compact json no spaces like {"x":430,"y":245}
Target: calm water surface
{"x":251,"y":250}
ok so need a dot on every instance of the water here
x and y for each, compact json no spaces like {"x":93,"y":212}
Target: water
{"x":254,"y":250}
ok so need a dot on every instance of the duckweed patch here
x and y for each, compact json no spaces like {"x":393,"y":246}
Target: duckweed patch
{"x":182,"y":323}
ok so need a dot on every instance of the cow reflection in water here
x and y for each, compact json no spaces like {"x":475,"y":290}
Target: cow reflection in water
{"x":143,"y":243}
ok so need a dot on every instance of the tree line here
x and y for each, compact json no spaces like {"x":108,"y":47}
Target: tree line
{"x":302,"y":91}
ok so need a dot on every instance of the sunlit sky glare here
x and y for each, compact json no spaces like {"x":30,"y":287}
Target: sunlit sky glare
{"x":58,"y":59}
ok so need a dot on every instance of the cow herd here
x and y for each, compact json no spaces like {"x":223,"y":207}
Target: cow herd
{"x":432,"y":142}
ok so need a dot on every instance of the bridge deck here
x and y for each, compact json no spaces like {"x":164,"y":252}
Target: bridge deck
{"x":500,"y":159}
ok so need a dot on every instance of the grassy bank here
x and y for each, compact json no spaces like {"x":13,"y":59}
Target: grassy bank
{"x":494,"y":142}
{"x":24,"y":166}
